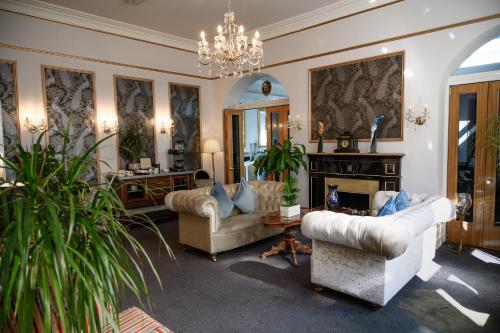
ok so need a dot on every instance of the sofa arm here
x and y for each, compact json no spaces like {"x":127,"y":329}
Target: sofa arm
{"x":195,"y":203}
{"x":380,"y":235}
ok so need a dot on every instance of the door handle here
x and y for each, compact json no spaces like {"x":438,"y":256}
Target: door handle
{"x":489,"y":180}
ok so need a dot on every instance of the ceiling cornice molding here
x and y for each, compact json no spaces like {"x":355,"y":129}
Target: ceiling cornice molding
{"x":84,"y":20}
{"x":320,"y":16}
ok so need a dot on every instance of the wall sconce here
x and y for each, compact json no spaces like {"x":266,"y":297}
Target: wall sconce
{"x":163,"y":128}
{"x":106,"y":128}
{"x":33,"y":128}
{"x":294,"y":124}
{"x":420,"y":119}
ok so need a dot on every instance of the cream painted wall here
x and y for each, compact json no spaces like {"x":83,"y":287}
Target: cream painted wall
{"x":35,"y":33}
{"x":431,"y":58}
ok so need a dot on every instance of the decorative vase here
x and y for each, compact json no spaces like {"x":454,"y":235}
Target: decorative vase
{"x":320,"y":144}
{"x":373,"y":145}
{"x":332,"y":198}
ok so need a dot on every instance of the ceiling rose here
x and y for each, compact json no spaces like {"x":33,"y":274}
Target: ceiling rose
{"x":230,"y":54}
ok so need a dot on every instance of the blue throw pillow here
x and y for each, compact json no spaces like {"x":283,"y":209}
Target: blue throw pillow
{"x":225,"y":204}
{"x":402,"y":201}
{"x":246,"y":198}
{"x":389,"y":208}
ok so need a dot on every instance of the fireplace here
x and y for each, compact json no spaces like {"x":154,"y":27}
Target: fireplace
{"x":359,"y":176}
{"x":354,"y":193}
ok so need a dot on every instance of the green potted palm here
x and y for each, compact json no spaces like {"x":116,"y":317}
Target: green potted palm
{"x":132,"y":145}
{"x":283,"y":162}
{"x":64,"y":256}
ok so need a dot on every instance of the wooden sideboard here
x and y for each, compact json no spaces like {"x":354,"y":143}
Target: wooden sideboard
{"x":381,"y":172}
{"x":149,"y":190}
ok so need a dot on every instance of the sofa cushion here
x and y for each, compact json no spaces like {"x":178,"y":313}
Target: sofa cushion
{"x":246,"y":198}
{"x":380,"y":235}
{"x":225,"y":204}
{"x":389,"y":207}
{"x":241,"y":221}
{"x":402,"y":201}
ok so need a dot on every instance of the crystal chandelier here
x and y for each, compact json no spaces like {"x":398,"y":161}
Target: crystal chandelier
{"x":230,"y":53}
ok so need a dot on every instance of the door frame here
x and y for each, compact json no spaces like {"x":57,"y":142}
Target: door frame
{"x":481,"y":232}
{"x":491,"y":233}
{"x":284,"y":111}
{"x":228,"y":143}
{"x":473,"y":233}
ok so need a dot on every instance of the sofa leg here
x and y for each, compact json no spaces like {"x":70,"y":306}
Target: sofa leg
{"x":186,"y":248}
{"x":213,"y":257}
{"x":375,"y":306}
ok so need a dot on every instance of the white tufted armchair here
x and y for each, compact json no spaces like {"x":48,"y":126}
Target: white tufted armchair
{"x":201,"y":227}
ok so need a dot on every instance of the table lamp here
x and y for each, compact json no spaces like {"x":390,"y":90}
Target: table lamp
{"x":212,"y":146}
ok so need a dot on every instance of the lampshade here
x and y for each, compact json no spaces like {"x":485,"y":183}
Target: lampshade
{"x":211,"y":146}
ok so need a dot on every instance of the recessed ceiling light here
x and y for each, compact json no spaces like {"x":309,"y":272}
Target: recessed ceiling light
{"x":452,"y":35}
{"x":384,"y":49}
{"x":372,"y":1}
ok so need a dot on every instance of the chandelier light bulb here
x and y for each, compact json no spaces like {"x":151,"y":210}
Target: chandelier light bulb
{"x":242,"y":29}
{"x":202,"y":35}
{"x":257,"y":35}
{"x":219,"y":29}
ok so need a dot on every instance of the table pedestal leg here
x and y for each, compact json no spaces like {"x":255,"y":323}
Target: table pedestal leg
{"x":290,"y":243}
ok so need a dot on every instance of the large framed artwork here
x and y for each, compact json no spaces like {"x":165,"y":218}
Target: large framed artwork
{"x":136,"y":116}
{"x":69,"y":96}
{"x":185,"y":111}
{"x":347,"y":97}
{"x":9,"y":117}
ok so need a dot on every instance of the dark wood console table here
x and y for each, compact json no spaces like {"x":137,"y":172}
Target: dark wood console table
{"x":384,"y":168}
{"x":149,"y":190}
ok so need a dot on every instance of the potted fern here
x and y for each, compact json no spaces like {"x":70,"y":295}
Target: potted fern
{"x":132,"y":145}
{"x":283,"y":162}
{"x":64,"y":256}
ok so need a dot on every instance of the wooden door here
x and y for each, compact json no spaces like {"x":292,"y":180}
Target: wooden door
{"x":233,"y":145}
{"x":491,"y":231}
{"x":276,"y":123}
{"x":472,"y":163}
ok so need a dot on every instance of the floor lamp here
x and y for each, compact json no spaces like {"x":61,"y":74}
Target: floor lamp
{"x":212,"y":146}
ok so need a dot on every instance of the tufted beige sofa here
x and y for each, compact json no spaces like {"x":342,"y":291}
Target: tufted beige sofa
{"x":370,"y":257}
{"x":201,"y":227}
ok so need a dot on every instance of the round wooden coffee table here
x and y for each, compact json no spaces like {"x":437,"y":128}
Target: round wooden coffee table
{"x":274,"y":220}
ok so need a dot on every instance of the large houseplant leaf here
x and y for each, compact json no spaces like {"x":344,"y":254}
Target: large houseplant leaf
{"x":63,"y":253}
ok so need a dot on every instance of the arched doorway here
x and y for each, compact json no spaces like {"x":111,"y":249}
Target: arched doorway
{"x":472,"y":157}
{"x":255,"y":117}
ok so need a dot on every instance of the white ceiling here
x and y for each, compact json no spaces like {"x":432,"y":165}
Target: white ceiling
{"x":186,"y":18}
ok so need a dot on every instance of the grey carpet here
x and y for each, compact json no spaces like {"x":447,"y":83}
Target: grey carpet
{"x":242,"y":293}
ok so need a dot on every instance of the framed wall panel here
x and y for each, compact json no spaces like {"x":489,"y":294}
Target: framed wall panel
{"x":346,"y":97}
{"x":134,"y":98}
{"x":9,"y":114}
{"x":69,"y":96}
{"x":186,"y":117}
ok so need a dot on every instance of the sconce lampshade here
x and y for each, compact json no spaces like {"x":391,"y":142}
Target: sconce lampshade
{"x":211,"y":146}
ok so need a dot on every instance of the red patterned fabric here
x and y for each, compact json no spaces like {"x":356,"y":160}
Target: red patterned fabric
{"x":134,"y":320}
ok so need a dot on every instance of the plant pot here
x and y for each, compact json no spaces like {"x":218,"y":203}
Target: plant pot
{"x":290,"y":211}
{"x":134,"y":166}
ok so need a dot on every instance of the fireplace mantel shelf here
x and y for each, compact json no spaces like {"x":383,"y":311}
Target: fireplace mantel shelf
{"x":372,"y":171}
